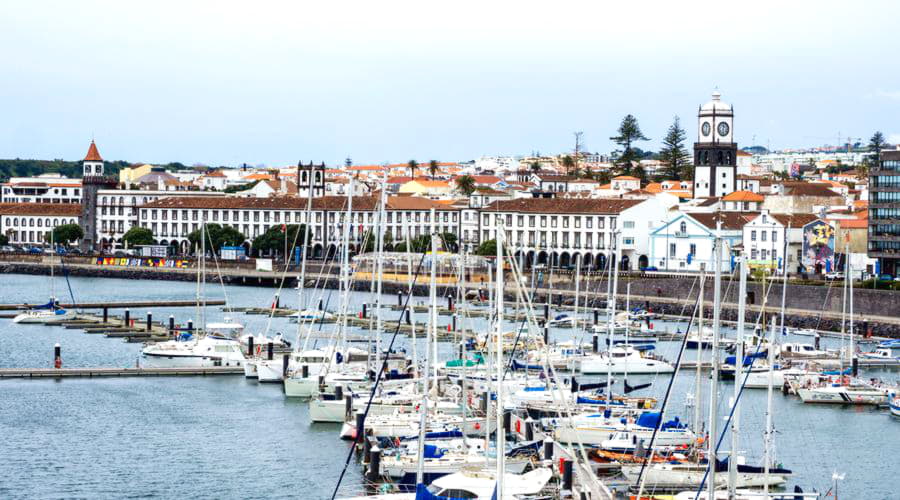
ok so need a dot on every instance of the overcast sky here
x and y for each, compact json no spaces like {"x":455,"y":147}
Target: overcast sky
{"x":270,"y":82}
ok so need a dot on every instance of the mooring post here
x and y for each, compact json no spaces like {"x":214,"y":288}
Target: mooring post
{"x":250,"y":346}
{"x":105,"y":314}
{"x":57,"y":356}
{"x":171,"y":324}
{"x":270,"y":351}
{"x":127,"y":318}
{"x":374,"y":464}
{"x":567,"y":475}
{"x":285,"y":361}
{"x":149,"y":320}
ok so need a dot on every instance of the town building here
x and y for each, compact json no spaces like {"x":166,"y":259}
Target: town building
{"x":685,"y":243}
{"x":884,"y":213}
{"x":556,"y":231}
{"x":31,"y":223}
{"x":770,"y":238}
{"x":44,"y":188}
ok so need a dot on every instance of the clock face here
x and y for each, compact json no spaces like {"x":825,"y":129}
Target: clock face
{"x":705,"y":128}
{"x":723,"y":129}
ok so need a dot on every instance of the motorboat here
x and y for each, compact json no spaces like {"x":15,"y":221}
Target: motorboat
{"x":797,"y":350}
{"x":846,"y":390}
{"x":704,"y":339}
{"x":887,"y":355}
{"x":206,"y":351}
{"x":624,"y":359}
{"x":895,"y":406}
{"x":803,"y":332}
{"x":563,"y":321}
{"x":311,"y":315}
{"x":594,"y":429}
{"x":439,"y":462}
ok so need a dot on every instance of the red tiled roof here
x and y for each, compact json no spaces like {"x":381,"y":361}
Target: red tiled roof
{"x":563,"y":205}
{"x":743,"y":196}
{"x":794,"y":220}
{"x":93,"y":154}
{"x":58,"y":209}
{"x":730,"y":220}
{"x":360,"y":203}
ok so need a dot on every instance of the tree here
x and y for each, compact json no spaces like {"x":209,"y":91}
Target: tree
{"x":487,"y":248}
{"x":876,"y":144}
{"x":138,"y":236}
{"x":535,"y":166}
{"x":280,"y":238}
{"x":568,"y":164}
{"x":449,"y":242}
{"x":67,"y":233}
{"x":217,"y":237}
{"x":370,"y":241}
{"x":465,"y":184}
{"x":433,"y":168}
{"x":4,"y":240}
{"x":418,"y":244}
{"x":629,"y":132}
{"x":412,"y":165}
{"x":673,"y":152}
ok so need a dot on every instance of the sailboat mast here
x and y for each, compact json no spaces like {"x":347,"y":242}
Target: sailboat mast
{"x":627,"y":328}
{"x":698,"y":380}
{"x":432,"y":326}
{"x":767,"y":437}
{"x":611,"y":320}
{"x":379,"y":270}
{"x":577,"y":286}
{"x":713,"y":402}
{"x":302,"y":301}
{"x":848,"y":278}
{"x":499,"y":300}
{"x":203,"y":274}
{"x":738,"y":366}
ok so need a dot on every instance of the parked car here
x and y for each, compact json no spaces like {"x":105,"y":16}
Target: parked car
{"x":832,"y":276}
{"x":8,"y":249}
{"x":649,"y":269}
{"x":35,"y":250}
{"x":885,"y":277}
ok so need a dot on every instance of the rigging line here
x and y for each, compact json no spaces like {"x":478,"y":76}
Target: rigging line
{"x":665,"y":402}
{"x":65,"y":271}
{"x":725,"y":428}
{"x":381,"y":370}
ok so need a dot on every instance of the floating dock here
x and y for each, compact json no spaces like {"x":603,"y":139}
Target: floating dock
{"x":117,"y":372}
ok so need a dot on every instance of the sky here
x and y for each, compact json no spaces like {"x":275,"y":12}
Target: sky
{"x":265,"y":82}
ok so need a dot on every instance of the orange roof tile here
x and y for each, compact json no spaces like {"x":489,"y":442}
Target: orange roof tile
{"x":743,"y":196}
{"x":93,"y":154}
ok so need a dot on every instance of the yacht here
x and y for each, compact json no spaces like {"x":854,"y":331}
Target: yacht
{"x":797,"y":350}
{"x":895,"y":406}
{"x":845,"y":390}
{"x":206,"y":351}
{"x":683,"y":475}
{"x":44,"y":316}
{"x":624,"y":359}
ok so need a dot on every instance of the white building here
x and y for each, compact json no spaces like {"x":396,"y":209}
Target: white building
{"x":685,"y":243}
{"x":172,"y":219}
{"x":764,"y":238}
{"x":31,"y":223}
{"x":556,"y":231}
{"x":44,"y":188}
{"x":637,"y":223}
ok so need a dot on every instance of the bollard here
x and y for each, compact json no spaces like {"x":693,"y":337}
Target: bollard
{"x":400,"y":299}
{"x":529,"y":429}
{"x":360,"y":426}
{"x":507,"y":422}
{"x":277,"y":301}
{"x":546,"y":312}
{"x":321,"y":305}
{"x":364,"y":311}
{"x":548,"y":450}
{"x":149,"y":320}
{"x":454,"y":323}
{"x":450,"y":302}
{"x":171,"y":324}
{"x":304,"y":371}
{"x":270,"y":351}
{"x":190,"y":326}
{"x":567,"y":474}
{"x":596,"y":316}
{"x":574,"y":385}
{"x":595,"y":343}
{"x":546,"y":335}
{"x":855,"y":370}
{"x":249,"y":345}
{"x":285,"y":361}
{"x":105,"y":314}
{"x":127,"y":317}
{"x":408,"y":317}
{"x":374,"y":465}
{"x":348,"y":405}
{"x":57,"y":356}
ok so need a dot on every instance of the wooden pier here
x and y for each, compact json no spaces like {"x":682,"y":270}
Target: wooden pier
{"x":118,"y":305}
{"x":117,"y":372}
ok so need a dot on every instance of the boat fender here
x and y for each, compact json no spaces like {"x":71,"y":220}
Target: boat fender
{"x":518,"y":426}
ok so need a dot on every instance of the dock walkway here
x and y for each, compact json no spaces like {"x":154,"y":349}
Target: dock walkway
{"x":117,"y":372}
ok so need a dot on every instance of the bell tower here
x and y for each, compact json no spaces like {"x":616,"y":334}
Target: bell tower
{"x":92,"y":181}
{"x":93,"y":162}
{"x":715,"y":152}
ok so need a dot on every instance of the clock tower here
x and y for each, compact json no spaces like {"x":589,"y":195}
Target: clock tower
{"x":715,"y":152}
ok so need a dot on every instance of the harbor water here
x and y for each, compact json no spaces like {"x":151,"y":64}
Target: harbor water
{"x":227,"y":437}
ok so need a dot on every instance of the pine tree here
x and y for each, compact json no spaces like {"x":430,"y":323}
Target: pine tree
{"x":673,"y":153}
{"x":629,"y":132}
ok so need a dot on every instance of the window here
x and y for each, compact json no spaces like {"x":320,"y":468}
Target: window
{"x":671,"y":249}
{"x":762,"y":235}
{"x":543,"y":221}
{"x":530,"y":221}
{"x":774,"y":236}
{"x":553,"y":221}
{"x":753,"y":254}
{"x":752,"y":235}
{"x":629,"y":224}
{"x":588,"y":223}
{"x":683,"y":227}
{"x":565,"y":221}
{"x":693,"y":249}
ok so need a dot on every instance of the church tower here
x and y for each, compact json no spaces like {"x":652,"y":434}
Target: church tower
{"x":715,"y":152}
{"x":92,"y":181}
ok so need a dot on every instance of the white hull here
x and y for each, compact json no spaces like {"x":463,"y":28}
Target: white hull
{"x":250,"y":370}
{"x":270,"y":370}
{"x":842,"y":395}
{"x":44,"y":317}
{"x":895,"y":407}
{"x":184,"y":361}
{"x":677,"y":476}
{"x":398,"y":468}
{"x":597,"y":435}
{"x":602,"y":367}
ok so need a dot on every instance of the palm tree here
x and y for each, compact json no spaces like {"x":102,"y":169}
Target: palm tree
{"x":433,"y":168}
{"x":412,"y":165}
{"x":465,"y":184}
{"x":568,"y":164}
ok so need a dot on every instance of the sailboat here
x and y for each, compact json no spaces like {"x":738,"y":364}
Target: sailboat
{"x":50,"y":312}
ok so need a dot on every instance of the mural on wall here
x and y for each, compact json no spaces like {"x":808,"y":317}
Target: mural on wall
{"x":818,"y":247}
